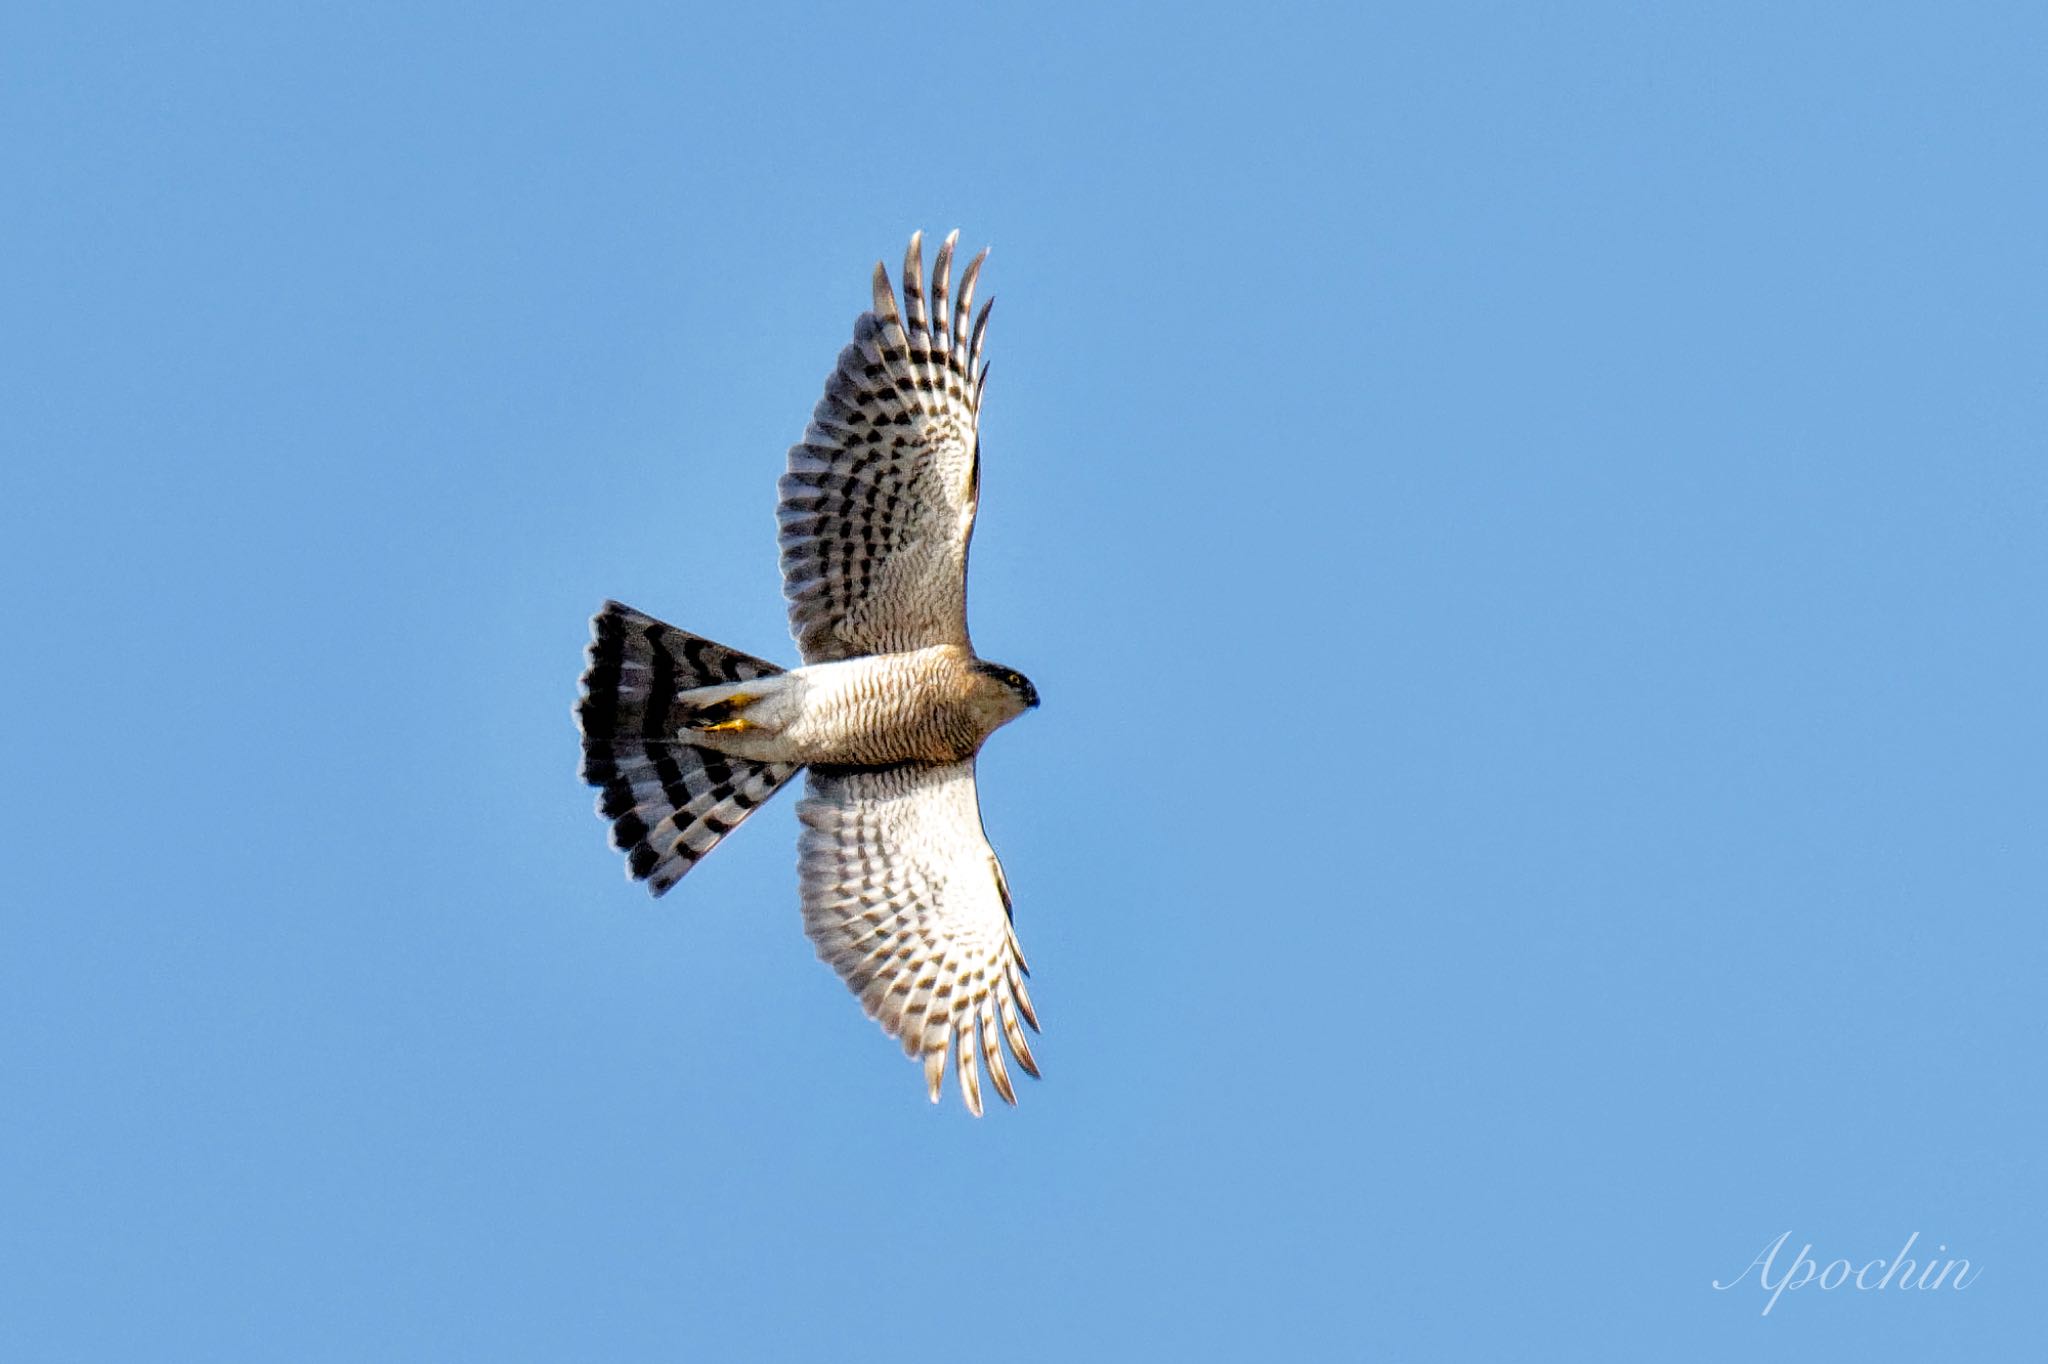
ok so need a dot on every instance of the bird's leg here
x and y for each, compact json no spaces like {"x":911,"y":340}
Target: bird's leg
{"x":722,"y":716}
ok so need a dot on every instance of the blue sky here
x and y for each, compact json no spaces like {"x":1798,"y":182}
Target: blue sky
{"x":1528,"y":522}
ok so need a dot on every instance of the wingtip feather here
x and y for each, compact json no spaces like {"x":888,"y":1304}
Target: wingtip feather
{"x":884,"y":293}
{"x":975,"y":337}
{"x":992,"y":1053}
{"x":942,"y":284}
{"x":964,"y":1063}
{"x":964,"y":309}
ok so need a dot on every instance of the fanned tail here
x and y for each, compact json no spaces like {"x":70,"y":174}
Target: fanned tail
{"x":669,"y":803}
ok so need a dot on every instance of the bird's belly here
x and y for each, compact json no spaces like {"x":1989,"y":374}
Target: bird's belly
{"x":859,"y":712}
{"x":871,"y":712}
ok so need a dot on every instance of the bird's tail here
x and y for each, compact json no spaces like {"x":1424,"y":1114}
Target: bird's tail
{"x":668,"y":802}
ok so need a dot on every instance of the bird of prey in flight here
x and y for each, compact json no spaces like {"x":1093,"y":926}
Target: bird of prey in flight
{"x":685,"y":738}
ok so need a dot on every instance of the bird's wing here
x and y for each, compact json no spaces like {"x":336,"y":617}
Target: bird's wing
{"x":878,"y":503}
{"x":904,"y":897}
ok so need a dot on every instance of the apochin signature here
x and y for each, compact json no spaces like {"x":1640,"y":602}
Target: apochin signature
{"x":1898,"y":1272}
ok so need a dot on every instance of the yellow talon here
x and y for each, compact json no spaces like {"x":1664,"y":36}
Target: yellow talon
{"x":725,"y":707}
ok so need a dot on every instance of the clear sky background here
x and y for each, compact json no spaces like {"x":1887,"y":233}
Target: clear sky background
{"x":1529,"y":523}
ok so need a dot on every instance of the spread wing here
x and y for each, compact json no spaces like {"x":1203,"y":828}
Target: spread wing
{"x":878,"y":503}
{"x":904,"y":897}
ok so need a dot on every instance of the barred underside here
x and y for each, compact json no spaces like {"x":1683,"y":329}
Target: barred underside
{"x":669,"y":803}
{"x":878,"y":503}
{"x":905,"y":899}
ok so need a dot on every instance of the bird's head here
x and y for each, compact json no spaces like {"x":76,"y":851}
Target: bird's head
{"x":1015,"y":687}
